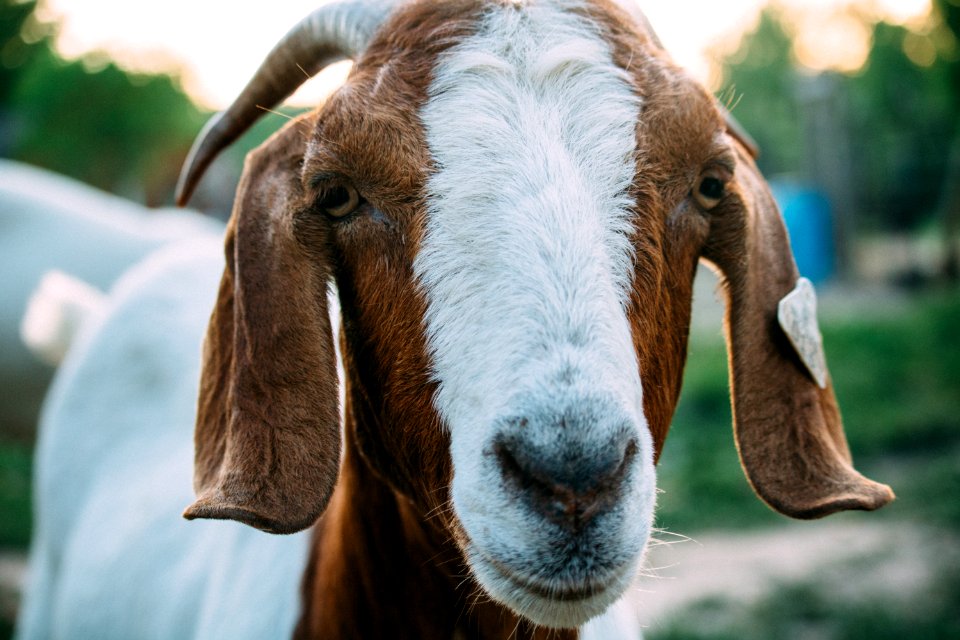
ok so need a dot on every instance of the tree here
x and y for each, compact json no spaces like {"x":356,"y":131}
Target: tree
{"x":949,"y":11}
{"x":120,"y":131}
{"x":759,"y":82}
{"x":903,"y":122}
{"x":15,"y":52}
{"x":901,"y":115}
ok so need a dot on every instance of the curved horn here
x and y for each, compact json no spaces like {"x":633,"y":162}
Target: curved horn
{"x":333,"y":32}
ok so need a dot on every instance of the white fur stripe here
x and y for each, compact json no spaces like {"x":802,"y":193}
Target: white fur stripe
{"x":526,"y":266}
{"x":531,"y":127}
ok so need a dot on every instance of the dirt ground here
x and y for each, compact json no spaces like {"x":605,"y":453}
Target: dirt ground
{"x":851,"y":556}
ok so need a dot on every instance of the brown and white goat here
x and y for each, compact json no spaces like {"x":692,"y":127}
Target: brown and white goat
{"x":512,"y":197}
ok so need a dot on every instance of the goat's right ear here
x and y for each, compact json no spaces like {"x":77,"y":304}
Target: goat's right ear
{"x":268,"y":422}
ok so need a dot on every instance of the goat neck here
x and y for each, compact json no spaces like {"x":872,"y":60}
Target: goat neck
{"x":374,"y":549}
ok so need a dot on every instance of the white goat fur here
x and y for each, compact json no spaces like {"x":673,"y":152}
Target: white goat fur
{"x":50,"y":222}
{"x":519,"y":99}
{"x":111,"y":551}
{"x":112,"y":556}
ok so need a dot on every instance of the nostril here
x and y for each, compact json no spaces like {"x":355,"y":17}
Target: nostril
{"x":508,"y":463}
{"x":571,"y":492}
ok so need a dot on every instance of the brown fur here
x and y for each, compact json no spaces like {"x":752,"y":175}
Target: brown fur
{"x":267,"y":442}
{"x":387,"y":559}
{"x":788,"y":430}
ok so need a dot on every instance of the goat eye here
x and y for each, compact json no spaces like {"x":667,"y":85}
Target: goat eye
{"x":339,"y":201}
{"x":709,"y":190}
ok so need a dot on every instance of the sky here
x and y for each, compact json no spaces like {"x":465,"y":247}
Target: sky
{"x":217,"y":44}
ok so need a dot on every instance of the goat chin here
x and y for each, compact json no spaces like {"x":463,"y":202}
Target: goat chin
{"x":567,"y":609}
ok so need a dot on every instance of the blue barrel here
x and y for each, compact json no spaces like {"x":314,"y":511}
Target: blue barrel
{"x":809,"y":221}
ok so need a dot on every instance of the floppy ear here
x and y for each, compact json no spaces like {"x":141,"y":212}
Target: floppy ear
{"x":788,"y":429}
{"x":739,"y":132}
{"x":268,"y":427}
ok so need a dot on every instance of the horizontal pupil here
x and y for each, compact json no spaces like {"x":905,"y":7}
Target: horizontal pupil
{"x":711,"y":188}
{"x":335,"y":197}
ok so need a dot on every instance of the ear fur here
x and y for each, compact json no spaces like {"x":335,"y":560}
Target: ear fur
{"x":788,"y":430}
{"x":268,"y":428}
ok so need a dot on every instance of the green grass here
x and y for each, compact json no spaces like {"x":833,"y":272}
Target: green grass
{"x":15,"y":517}
{"x":898,"y":379}
{"x":807,"y":610}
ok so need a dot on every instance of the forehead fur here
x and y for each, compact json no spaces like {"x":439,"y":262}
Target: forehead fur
{"x":526,"y":246}
{"x":378,"y":107}
{"x":381,"y":107}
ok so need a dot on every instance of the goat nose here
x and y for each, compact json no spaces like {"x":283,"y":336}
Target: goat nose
{"x":569,"y":485}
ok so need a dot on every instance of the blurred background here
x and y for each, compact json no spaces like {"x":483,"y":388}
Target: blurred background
{"x":855,"y":105}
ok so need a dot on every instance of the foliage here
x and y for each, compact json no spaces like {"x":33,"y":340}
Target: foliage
{"x":896,"y":376}
{"x":121,"y":132}
{"x":903,"y":117}
{"x":89,"y":119}
{"x":760,"y":81}
{"x":15,"y":469}
{"x":900,"y":114}
{"x":949,"y":12}
{"x":699,"y":477}
{"x":16,"y":51}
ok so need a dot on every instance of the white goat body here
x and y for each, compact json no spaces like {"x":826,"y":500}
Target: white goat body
{"x":50,"y":222}
{"x":112,"y":556}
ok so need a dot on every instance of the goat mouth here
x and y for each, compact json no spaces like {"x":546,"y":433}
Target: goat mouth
{"x":556,"y":590}
{"x":558,"y":593}
{"x":554,"y":602}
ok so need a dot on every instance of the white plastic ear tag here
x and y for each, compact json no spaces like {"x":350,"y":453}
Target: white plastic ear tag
{"x":797,"y":313}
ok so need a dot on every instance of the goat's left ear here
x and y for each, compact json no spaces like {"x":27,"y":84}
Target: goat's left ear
{"x":787,"y":425}
{"x":268,"y":423}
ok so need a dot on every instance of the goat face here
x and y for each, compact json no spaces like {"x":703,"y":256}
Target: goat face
{"x":512,"y":199}
{"x":526,"y":262}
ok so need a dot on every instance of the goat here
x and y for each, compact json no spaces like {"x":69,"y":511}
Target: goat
{"x":52,"y":222}
{"x":511,"y":197}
